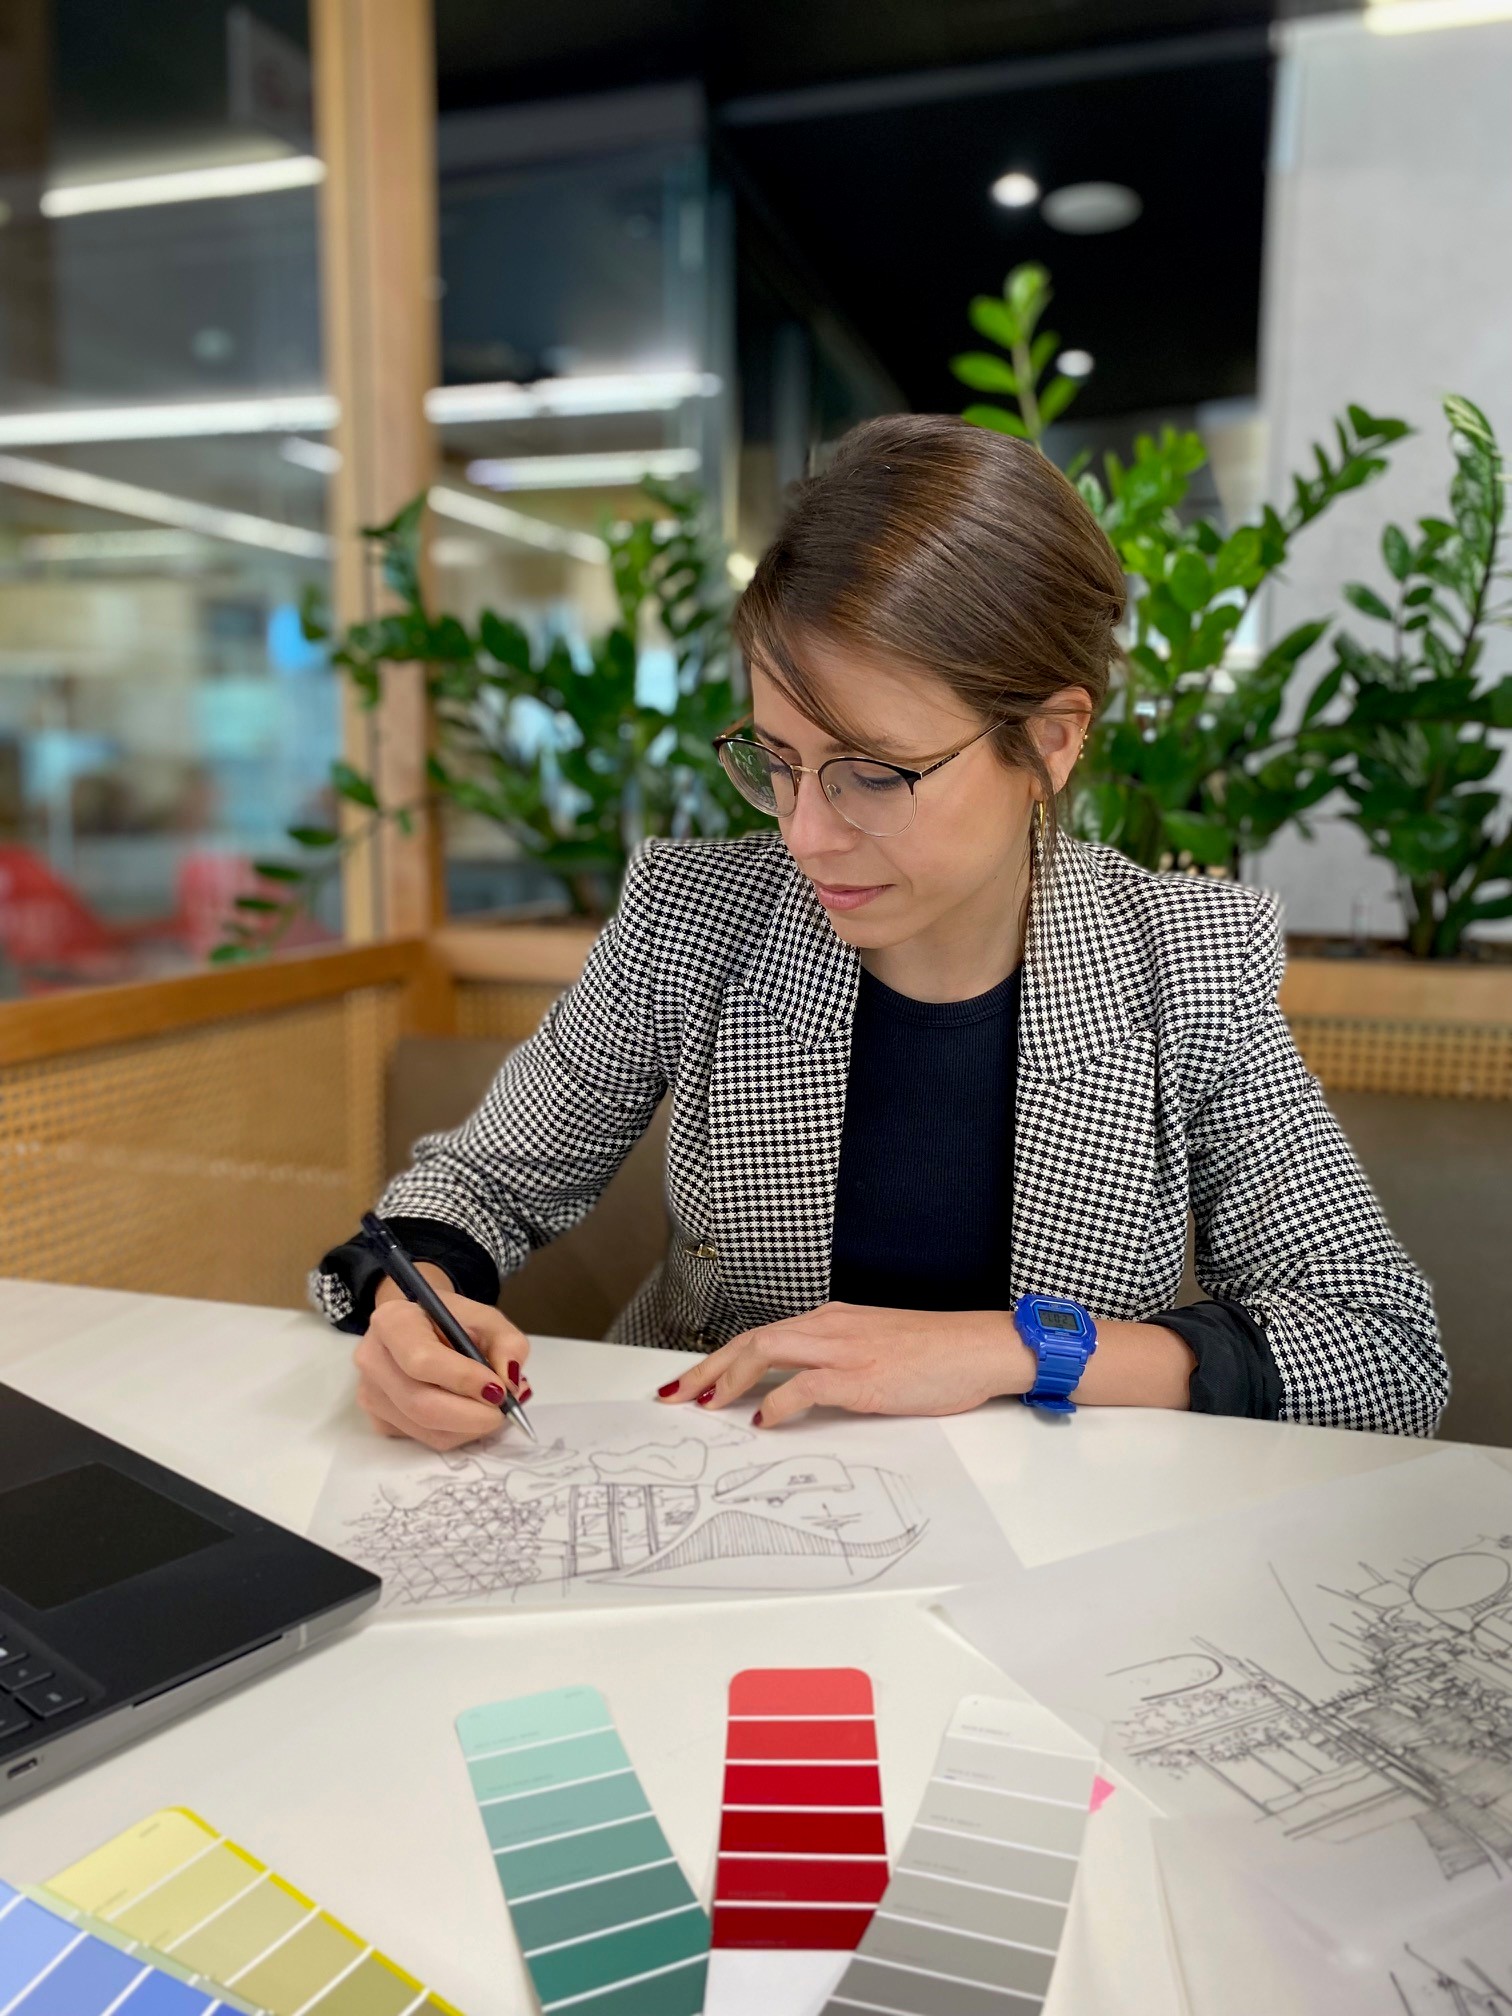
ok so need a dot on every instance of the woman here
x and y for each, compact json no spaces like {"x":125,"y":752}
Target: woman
{"x":930,"y":1061}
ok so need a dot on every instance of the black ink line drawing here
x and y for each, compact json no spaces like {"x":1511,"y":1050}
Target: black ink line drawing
{"x":1418,"y":1734}
{"x":682,"y":1513}
{"x":1462,"y":1988}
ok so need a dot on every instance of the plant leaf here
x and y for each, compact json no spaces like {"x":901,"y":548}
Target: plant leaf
{"x":999,"y":418}
{"x":1366,"y":601}
{"x":985,"y":373}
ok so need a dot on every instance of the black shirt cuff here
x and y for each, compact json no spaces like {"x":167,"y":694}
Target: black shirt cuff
{"x":470,"y":1268}
{"x":1235,"y":1372}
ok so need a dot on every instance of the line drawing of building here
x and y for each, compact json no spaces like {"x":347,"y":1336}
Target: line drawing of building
{"x":1418,"y":1733}
{"x":673,"y":1515}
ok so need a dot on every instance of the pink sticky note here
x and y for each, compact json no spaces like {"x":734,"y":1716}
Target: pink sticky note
{"x":1102,"y":1792}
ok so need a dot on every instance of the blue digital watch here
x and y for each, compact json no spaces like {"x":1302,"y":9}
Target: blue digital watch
{"x":1062,"y":1336}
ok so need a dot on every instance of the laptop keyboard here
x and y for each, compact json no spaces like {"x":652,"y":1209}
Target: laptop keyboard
{"x":35,"y":1688}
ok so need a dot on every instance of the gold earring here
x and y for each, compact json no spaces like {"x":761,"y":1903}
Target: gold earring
{"x":1041,"y":816}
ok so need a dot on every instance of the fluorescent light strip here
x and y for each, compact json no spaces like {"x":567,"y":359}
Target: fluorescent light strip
{"x":131,"y":500}
{"x":294,"y":412}
{"x":166,"y":545}
{"x":613,"y":392}
{"x":487,"y":516}
{"x":576,"y":472}
{"x":276,"y":413}
{"x":183,"y":185}
{"x":1416,"y":17}
{"x":317,"y":455}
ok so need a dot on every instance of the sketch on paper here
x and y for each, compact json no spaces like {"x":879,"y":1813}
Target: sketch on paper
{"x":1456,"y":1967}
{"x":1427,"y":1987}
{"x":1418,"y":1730}
{"x":666,"y":1506}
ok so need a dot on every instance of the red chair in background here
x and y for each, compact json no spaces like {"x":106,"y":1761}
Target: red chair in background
{"x":51,"y":938}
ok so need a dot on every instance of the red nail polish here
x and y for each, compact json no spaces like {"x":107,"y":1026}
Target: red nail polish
{"x":756,"y":1418}
{"x":494,"y":1395}
{"x":514,"y":1373}
{"x":525,"y":1394}
{"x":666,"y":1392}
{"x":705,"y":1397}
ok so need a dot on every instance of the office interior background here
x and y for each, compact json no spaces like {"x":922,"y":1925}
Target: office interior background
{"x":270,"y":272}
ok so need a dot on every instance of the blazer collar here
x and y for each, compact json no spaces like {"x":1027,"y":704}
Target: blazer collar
{"x":1074,"y":1003}
{"x":799,"y":968}
{"x":1079,"y":968}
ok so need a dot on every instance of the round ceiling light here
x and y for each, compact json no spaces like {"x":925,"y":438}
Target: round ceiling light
{"x":1015,"y":190}
{"x":1087,"y":207}
{"x":1074,"y":363}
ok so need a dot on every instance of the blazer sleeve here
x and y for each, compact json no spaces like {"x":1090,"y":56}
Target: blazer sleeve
{"x":1289,"y":1228}
{"x":564,"y":1112}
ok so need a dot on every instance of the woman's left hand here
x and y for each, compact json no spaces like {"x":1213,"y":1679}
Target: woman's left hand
{"x":869,"y":1361}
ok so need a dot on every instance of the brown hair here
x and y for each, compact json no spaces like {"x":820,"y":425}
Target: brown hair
{"x":941,"y":544}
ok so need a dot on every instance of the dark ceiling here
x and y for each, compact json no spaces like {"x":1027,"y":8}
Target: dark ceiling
{"x":891,"y":207}
{"x":863,"y":135}
{"x":490,"y":54}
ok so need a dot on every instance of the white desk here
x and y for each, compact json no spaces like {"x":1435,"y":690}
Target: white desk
{"x":342,"y":1770}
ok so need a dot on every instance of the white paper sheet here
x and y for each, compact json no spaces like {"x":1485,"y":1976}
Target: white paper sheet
{"x":1331,"y":1671}
{"x":634,"y":1503}
{"x":1245,"y":1952}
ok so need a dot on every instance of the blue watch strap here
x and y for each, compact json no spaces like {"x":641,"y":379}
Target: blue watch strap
{"x":1063,"y":1336}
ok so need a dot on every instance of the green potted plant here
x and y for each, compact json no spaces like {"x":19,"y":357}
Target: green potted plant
{"x":1406,"y":720}
{"x":1189,"y":764}
{"x":558,"y":747}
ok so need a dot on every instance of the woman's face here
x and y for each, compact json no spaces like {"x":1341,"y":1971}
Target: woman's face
{"x":964,"y":853}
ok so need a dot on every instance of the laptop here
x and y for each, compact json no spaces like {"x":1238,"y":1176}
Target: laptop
{"x":129,"y":1595}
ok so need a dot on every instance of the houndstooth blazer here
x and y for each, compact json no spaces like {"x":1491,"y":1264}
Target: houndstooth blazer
{"x":1156,"y":1074}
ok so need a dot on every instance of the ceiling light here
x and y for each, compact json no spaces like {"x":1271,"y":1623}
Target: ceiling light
{"x":293,"y":412}
{"x":1074,"y":363}
{"x":317,"y":455}
{"x":740,"y":567}
{"x":487,"y":516}
{"x":71,"y":546}
{"x":607,"y":392}
{"x":131,"y":500}
{"x":576,"y":472}
{"x":275,"y":413}
{"x":183,"y":185}
{"x":1087,"y":207}
{"x":1015,"y":190}
{"x":1412,"y":17}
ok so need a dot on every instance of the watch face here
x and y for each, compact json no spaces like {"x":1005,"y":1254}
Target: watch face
{"x":1059,"y":1319}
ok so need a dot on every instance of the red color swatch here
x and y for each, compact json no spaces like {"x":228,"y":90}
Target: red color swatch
{"x":802,"y":1851}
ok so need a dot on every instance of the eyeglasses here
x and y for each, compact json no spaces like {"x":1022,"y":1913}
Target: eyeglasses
{"x":874,"y":797}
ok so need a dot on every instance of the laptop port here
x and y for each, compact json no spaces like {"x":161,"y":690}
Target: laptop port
{"x":20,"y":1770}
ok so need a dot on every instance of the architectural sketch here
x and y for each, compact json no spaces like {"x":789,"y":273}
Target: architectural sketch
{"x":1416,"y":1733}
{"x":1460,"y":1988}
{"x":697,"y":1505}
{"x":1456,"y":1967}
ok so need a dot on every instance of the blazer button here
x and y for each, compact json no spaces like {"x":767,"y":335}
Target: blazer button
{"x":704,"y":1250}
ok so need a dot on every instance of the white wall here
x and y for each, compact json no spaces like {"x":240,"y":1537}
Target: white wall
{"x":1388,"y":283}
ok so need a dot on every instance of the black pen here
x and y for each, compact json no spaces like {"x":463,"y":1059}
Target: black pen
{"x":408,"y":1279}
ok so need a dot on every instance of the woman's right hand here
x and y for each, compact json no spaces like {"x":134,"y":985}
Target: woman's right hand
{"x":411,"y":1383}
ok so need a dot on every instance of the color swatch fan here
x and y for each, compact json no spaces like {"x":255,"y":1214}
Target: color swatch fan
{"x":802,"y":1851}
{"x":52,"y":1966}
{"x":172,"y":1883}
{"x":607,"y":1922}
{"x":972,"y":1920}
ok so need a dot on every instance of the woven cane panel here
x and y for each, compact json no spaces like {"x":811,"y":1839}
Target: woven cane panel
{"x":1443,"y":1060}
{"x":508,"y":1010}
{"x":217,"y":1161}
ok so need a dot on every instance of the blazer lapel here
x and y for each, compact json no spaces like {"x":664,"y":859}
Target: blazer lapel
{"x":1085,"y":1133}
{"x":776,"y":1109}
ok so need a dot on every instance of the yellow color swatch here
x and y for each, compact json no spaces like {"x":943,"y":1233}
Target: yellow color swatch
{"x":177,"y":1886}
